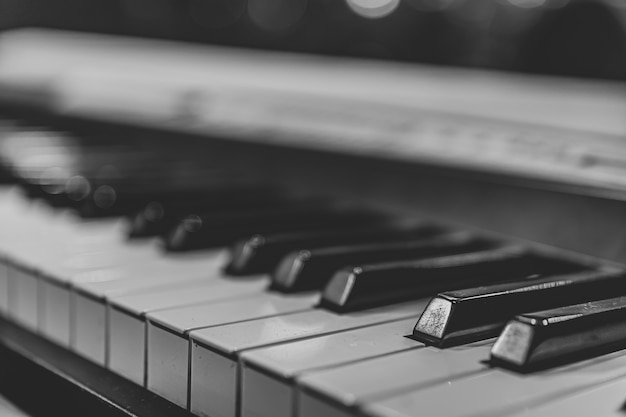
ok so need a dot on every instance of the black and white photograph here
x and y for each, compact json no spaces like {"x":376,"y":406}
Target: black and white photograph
{"x":312,"y":208}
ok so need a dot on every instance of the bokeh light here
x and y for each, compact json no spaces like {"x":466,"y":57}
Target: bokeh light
{"x":373,"y":9}
{"x":527,"y":4}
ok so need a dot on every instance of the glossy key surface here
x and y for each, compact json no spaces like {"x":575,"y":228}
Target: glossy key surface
{"x":472,"y":314}
{"x":312,"y":268}
{"x":168,"y":334}
{"x":605,"y":399}
{"x":368,"y":285}
{"x":197,"y":231}
{"x":497,"y":392}
{"x":160,"y":212}
{"x":551,"y":337}
{"x":262,"y":253}
{"x":345,"y":388}
{"x":126,"y":344}
{"x":215,"y":350}
{"x":274,"y":369}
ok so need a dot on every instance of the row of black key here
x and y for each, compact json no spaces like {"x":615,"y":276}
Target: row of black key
{"x":361,"y":259}
{"x":402,"y":262}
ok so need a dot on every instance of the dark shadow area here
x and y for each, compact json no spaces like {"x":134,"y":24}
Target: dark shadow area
{"x":46,"y":380}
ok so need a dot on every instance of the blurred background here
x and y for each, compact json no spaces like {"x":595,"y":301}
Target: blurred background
{"x":581,"y":38}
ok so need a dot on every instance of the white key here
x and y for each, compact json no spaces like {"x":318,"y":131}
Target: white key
{"x":340,"y":390}
{"x":309,"y":405}
{"x":214,"y":365}
{"x":4,"y":288}
{"x":22,"y":292}
{"x":54,"y":291}
{"x":271,"y":371}
{"x":8,"y":409}
{"x":497,"y":392}
{"x":33,"y":251}
{"x":21,"y":238}
{"x":54,"y":312}
{"x":34,"y":235}
{"x":88,"y":317}
{"x":26,"y":245}
{"x":41,"y":239}
{"x":603,"y":400}
{"x":11,"y":204}
{"x":126,"y":332}
{"x":168,"y":335}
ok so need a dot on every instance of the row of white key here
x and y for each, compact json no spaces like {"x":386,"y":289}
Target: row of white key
{"x":114,"y":301}
{"x":276,"y":318}
{"x":494,"y":392}
{"x":219,"y":369}
{"x":62,"y":259}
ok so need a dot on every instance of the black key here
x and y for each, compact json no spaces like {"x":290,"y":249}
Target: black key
{"x":160,"y":213}
{"x":472,"y":314}
{"x":554,"y":337}
{"x":5,"y":176}
{"x":262,"y":253}
{"x":211,"y":230}
{"x":373,"y":285}
{"x":311,"y":269}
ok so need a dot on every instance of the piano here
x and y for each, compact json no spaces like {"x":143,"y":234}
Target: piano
{"x":217,"y":231}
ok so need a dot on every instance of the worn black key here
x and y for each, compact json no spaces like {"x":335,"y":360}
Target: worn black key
{"x":211,"y":230}
{"x":378,"y":284}
{"x":311,"y":269}
{"x":553,"y":337}
{"x":160,"y":213}
{"x":472,"y":314}
{"x":262,"y":253}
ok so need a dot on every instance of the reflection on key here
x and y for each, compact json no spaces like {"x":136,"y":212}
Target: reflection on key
{"x":312,"y":269}
{"x":553,"y":337}
{"x":270,"y":372}
{"x":204,"y":231}
{"x":604,"y":399}
{"x":369,"y":285}
{"x":339,"y":391}
{"x":473,"y":314}
{"x":262,"y":253}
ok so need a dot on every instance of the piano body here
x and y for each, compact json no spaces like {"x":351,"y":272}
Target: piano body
{"x":504,"y":193}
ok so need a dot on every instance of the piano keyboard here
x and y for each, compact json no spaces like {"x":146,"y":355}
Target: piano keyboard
{"x":225,"y":296}
{"x":337,"y":321}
